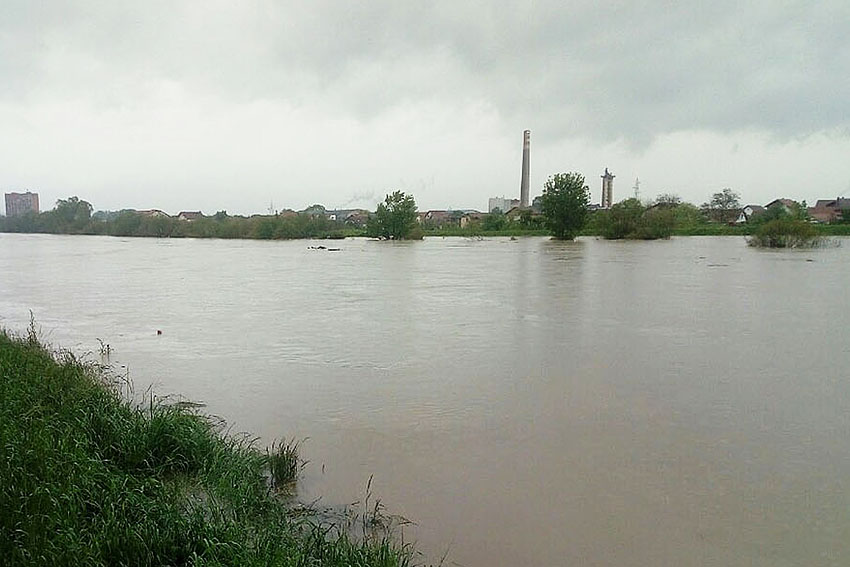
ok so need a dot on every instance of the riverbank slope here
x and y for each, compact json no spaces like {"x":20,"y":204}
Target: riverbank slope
{"x":90,"y":479}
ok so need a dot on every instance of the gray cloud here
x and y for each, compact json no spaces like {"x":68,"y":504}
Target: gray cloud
{"x":233,"y":104}
{"x":618,"y":70}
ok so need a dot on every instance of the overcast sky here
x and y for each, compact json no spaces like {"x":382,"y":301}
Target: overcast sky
{"x":231,"y":105}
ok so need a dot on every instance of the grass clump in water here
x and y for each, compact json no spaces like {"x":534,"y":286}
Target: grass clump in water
{"x":284,"y":463}
{"x":88,"y":478}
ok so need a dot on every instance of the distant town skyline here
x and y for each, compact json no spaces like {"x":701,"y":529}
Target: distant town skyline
{"x":231,"y":107}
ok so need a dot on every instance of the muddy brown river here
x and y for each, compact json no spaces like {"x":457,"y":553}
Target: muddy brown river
{"x":525,"y":402}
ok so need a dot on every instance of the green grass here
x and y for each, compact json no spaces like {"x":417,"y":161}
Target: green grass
{"x":87,"y":478}
{"x":842,"y":229}
{"x":477,"y":231}
{"x":284,"y":463}
{"x":713,"y":229}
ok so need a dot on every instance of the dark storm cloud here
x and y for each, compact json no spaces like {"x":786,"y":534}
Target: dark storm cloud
{"x":599,"y":70}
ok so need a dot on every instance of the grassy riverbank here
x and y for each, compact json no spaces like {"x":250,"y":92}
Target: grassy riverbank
{"x":87,"y":478}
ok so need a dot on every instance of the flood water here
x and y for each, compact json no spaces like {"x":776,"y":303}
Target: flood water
{"x":528,"y":402}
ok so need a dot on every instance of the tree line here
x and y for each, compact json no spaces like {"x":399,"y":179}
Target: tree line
{"x":74,"y":216}
{"x":394,"y":219}
{"x":563,"y":211}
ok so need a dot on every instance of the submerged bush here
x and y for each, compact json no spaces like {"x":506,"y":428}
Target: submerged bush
{"x":630,"y":219}
{"x":786,"y":233}
{"x":621,"y":220}
{"x":654,"y":224}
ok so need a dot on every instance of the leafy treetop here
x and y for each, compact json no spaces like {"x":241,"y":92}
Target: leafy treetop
{"x":395,"y":218}
{"x":564,"y":204}
{"x":723,"y":205}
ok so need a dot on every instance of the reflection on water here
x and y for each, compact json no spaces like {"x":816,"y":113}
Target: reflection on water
{"x":526,"y":402}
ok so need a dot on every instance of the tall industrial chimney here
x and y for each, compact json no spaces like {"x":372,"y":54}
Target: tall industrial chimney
{"x":607,"y":189}
{"x":523,"y":186}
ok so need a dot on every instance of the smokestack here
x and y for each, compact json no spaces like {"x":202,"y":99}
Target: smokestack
{"x":608,"y":189}
{"x":523,"y":186}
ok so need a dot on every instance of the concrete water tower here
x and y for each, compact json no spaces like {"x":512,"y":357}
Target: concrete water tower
{"x":607,"y":189}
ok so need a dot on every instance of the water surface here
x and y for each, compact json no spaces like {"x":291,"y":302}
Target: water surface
{"x":526,"y":402}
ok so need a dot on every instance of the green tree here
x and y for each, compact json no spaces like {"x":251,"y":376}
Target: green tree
{"x":29,"y":222}
{"x":687,"y":215}
{"x":564,"y":204}
{"x":656,"y":222}
{"x":630,"y":219}
{"x":265,"y":228}
{"x":494,"y":221}
{"x":723,"y":206}
{"x":780,"y":211}
{"x":126,"y":224}
{"x":668,"y":199}
{"x":622,"y":220}
{"x":528,"y":220}
{"x":70,"y":215}
{"x":395,"y":218}
{"x":156,"y":226}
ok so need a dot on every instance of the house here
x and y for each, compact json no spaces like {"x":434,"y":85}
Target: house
{"x":787,"y":204}
{"x":748,"y":212}
{"x":470,"y":217}
{"x":437,"y":218}
{"x":357,"y":218}
{"x":829,"y":210}
{"x":190,"y":215}
{"x":353,"y":217}
{"x":150,"y":213}
{"x":526,"y":217}
{"x":513,"y":213}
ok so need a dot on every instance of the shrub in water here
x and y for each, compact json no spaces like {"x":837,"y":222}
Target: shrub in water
{"x":786,"y":233}
{"x":630,"y":219}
